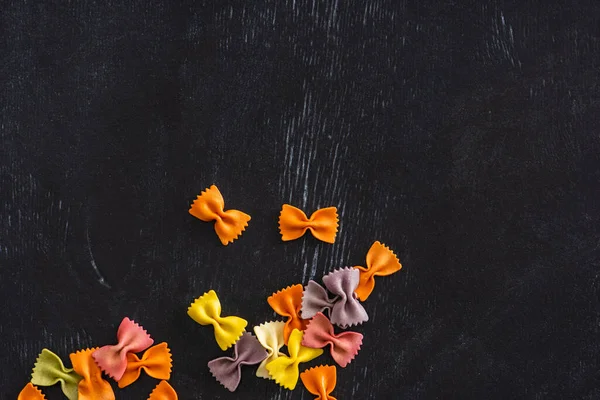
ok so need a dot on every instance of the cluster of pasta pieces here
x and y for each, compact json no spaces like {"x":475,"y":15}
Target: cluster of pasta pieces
{"x":310,"y":313}
{"x":85,"y":380}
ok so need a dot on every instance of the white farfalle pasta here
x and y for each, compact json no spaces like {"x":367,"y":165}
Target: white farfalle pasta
{"x":270,"y":336}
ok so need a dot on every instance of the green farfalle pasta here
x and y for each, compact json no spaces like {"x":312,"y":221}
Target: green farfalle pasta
{"x":50,"y":370}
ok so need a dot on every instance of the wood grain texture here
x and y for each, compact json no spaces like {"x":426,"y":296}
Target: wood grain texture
{"x":463,"y":136}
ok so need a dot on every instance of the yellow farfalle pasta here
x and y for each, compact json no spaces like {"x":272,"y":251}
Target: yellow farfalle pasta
{"x":206,"y":310}
{"x":285,"y":368}
{"x":270,"y":336}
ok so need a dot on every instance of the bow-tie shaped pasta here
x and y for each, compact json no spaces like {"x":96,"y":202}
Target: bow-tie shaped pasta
{"x":132,"y":338}
{"x":293,"y":223}
{"x":344,"y":346}
{"x":30,"y":392}
{"x":206,"y":310}
{"x":287,"y":303}
{"x":270,"y":336}
{"x":163,"y":391}
{"x":156,"y":361}
{"x":227,"y":370}
{"x":49,"y":370}
{"x":91,"y":386}
{"x":344,"y":309}
{"x":381,"y":261}
{"x":209,"y":206}
{"x":285,"y":368}
{"x":320,"y":381}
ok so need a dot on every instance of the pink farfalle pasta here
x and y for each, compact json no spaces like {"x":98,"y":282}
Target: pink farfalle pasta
{"x":320,"y":333}
{"x":132,"y":338}
{"x":344,"y":308}
{"x":227,"y":370}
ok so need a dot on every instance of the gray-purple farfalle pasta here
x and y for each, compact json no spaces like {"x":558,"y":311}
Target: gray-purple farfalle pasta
{"x":344,"y":308}
{"x":227,"y":370}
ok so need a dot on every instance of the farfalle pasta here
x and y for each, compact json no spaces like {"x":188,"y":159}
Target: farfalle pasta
{"x":287,"y":303}
{"x":209,"y":206}
{"x":163,"y":391}
{"x":227,"y":371}
{"x":381,"y":261}
{"x":30,"y":392}
{"x":156,"y":362}
{"x":293,"y":223}
{"x":320,"y":381}
{"x":320,"y":333}
{"x":206,"y":310}
{"x":92,"y":386}
{"x":270,"y":336}
{"x":344,"y":308}
{"x":50,"y":370}
{"x":284,"y":370}
{"x":132,"y":338}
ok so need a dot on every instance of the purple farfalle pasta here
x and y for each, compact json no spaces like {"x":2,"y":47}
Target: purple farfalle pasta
{"x":344,"y":308}
{"x":315,"y":300}
{"x":227,"y":370}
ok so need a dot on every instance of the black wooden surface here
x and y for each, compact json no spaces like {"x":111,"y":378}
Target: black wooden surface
{"x":464,"y":136}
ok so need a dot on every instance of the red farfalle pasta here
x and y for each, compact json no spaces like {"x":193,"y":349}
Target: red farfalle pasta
{"x":30,"y":392}
{"x":163,"y":391}
{"x":287,"y":303}
{"x":209,"y":206}
{"x":92,"y":386}
{"x":156,"y":361}
{"x":381,"y":261}
{"x":132,"y":338}
{"x":293,"y":223}
{"x":320,"y":381}
{"x":344,"y":346}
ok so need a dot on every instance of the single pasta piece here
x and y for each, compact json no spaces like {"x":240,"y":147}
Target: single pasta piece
{"x":92,"y":386}
{"x":293,"y":223}
{"x":320,"y":381}
{"x":206,"y":310}
{"x":30,"y":392}
{"x":163,"y":391}
{"x":344,"y":308}
{"x":227,"y":371}
{"x":381,"y":261}
{"x":344,"y":346}
{"x":156,"y":361}
{"x":50,"y":370}
{"x":287,"y":303}
{"x":209,"y":206}
{"x":270,"y":336}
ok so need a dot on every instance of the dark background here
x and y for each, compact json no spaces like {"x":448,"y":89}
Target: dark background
{"x":464,"y":136}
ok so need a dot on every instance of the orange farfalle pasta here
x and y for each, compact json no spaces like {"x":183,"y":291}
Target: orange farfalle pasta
{"x":209,"y":206}
{"x":320,"y":381}
{"x":156,"y":361}
{"x":293,"y":223}
{"x":163,"y":391}
{"x":30,"y":392}
{"x":381,"y":261}
{"x":287,"y":303}
{"x":92,"y":386}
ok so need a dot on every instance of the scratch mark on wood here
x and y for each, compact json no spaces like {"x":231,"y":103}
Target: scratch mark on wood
{"x":101,"y":279}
